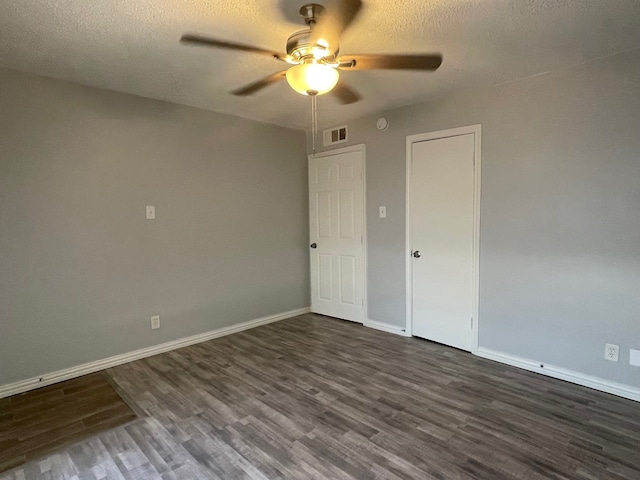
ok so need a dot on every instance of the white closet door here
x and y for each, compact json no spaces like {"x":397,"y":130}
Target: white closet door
{"x":442,"y":196}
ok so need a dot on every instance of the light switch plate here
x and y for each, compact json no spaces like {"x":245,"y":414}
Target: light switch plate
{"x":151,"y":212}
{"x":634,"y":357}
{"x":382,"y":211}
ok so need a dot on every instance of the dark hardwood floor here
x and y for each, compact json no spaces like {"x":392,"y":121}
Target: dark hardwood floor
{"x":314,"y":397}
{"x":43,"y":420}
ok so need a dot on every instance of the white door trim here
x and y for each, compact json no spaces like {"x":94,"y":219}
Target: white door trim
{"x":476,"y":130}
{"x":337,"y":151}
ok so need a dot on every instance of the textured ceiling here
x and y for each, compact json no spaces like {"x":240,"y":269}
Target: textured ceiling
{"x":132,"y":46}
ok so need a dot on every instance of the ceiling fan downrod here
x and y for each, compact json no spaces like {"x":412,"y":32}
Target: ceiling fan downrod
{"x":310,"y":12}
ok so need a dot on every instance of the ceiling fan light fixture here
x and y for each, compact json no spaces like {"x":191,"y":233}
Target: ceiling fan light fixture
{"x":312,"y":78}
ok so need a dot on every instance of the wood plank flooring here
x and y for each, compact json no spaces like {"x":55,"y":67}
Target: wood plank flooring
{"x":43,"y":420}
{"x":314,"y":397}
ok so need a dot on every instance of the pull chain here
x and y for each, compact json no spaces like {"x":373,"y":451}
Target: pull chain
{"x":314,"y":121}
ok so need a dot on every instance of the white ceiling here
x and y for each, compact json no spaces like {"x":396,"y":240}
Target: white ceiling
{"x":132,"y":46}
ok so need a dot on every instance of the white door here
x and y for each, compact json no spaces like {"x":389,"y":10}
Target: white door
{"x":336,"y":217}
{"x":442,"y":239}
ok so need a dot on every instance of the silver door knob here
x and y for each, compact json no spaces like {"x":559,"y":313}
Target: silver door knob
{"x":416,"y":254}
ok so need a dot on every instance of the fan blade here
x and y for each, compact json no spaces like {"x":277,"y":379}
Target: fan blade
{"x":259,"y":85}
{"x":192,"y":39}
{"x":331,"y":24}
{"x":390,"y":62}
{"x":345,"y":94}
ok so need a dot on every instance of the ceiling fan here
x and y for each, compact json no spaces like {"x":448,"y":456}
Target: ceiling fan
{"x":313,"y":54}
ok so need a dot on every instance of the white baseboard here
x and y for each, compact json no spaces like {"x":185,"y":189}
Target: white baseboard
{"x":619,"y":389}
{"x":91,"y":367}
{"x":386,"y":327}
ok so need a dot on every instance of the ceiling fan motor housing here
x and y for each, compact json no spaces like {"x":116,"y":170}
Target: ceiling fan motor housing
{"x":300,"y":47}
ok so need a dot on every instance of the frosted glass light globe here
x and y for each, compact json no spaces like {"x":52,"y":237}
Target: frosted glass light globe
{"x":312,"y":78}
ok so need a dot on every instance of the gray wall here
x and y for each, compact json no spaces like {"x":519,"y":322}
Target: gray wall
{"x":82,"y":270}
{"x":560,"y":228}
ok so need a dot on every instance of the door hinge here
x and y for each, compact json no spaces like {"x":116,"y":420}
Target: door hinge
{"x":471,"y":323}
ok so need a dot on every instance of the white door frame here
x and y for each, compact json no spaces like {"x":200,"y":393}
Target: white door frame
{"x":476,"y":130}
{"x":337,"y":151}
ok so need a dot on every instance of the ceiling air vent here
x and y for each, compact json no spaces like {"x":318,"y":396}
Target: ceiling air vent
{"x":334,"y":135}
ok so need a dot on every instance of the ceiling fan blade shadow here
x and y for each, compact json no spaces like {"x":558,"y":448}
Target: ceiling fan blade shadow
{"x":193,"y":39}
{"x":345,"y":94}
{"x":390,"y":62}
{"x":331,"y":24}
{"x":259,"y":85}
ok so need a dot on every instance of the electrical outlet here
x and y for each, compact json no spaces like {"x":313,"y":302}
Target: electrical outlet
{"x":155,"y":322}
{"x":151,"y":212}
{"x":611,"y":352}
